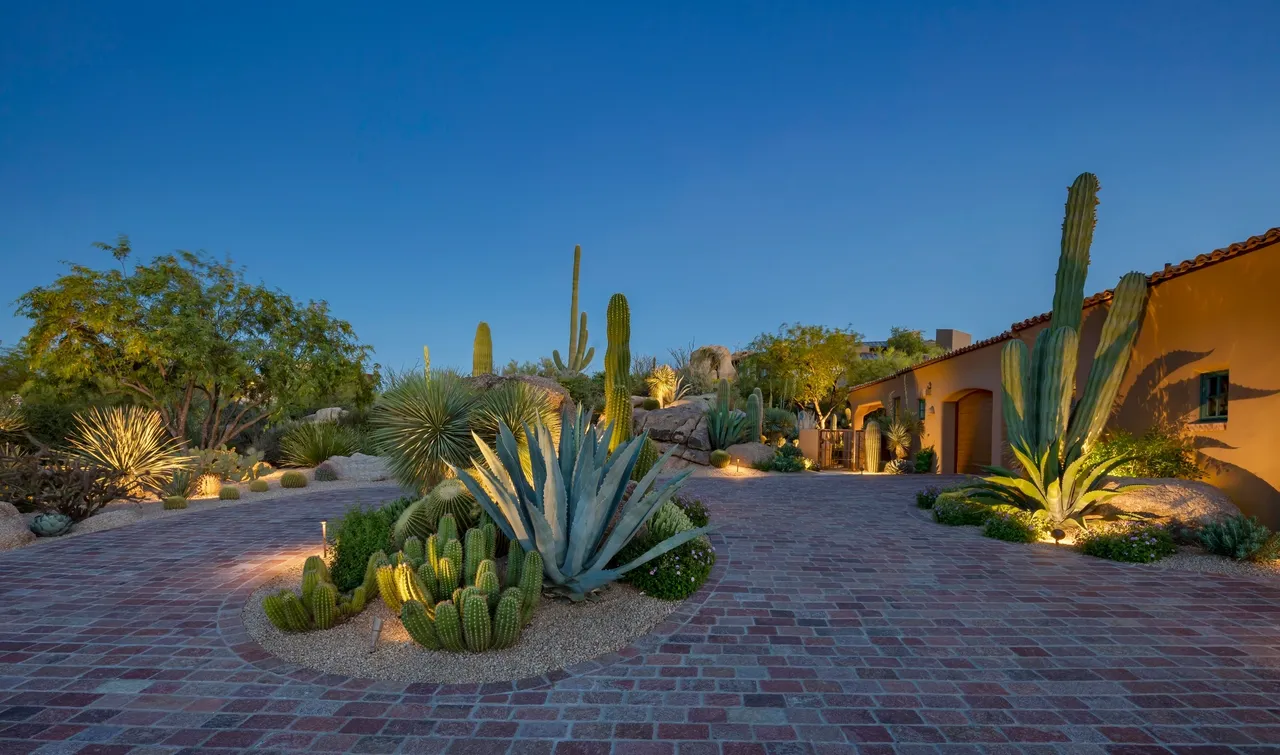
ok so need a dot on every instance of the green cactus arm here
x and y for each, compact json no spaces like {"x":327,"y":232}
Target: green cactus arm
{"x":581,"y":358}
{"x":586,"y":358}
{"x":419,"y":625}
{"x":555,"y":357}
{"x":1073,"y":263}
{"x":1110,"y":360}
{"x":1014,"y":379}
{"x":573,"y":306}
{"x":1057,"y":382}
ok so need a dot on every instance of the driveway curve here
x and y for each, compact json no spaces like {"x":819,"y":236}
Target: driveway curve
{"x":836,"y":621}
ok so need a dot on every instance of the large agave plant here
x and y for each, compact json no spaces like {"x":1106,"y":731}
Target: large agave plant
{"x":564,"y":509}
{"x":423,"y":428}
{"x":131,"y":441}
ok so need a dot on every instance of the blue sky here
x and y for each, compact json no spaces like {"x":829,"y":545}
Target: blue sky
{"x":728,"y":166}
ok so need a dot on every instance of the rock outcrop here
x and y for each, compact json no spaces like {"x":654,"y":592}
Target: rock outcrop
{"x":751,"y":454}
{"x":713,"y":362}
{"x":683,"y":425}
{"x":360,"y":467}
{"x":14,"y":532}
{"x":1185,"y":500}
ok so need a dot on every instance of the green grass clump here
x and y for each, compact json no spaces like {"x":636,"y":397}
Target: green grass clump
{"x":955,"y":511}
{"x":1013,"y":525}
{"x":1132,"y":543}
{"x":258,"y":486}
{"x":308,"y":444}
{"x":293,"y":480}
{"x":1242,"y":538}
{"x":174,"y":502}
{"x":229,"y":493}
{"x":720,"y":459}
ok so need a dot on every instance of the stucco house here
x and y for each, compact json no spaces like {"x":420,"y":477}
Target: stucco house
{"x":1211,"y":333}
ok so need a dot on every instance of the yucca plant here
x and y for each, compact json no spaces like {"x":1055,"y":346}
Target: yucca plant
{"x":1049,"y":436}
{"x":516,"y":405}
{"x":11,"y":419}
{"x":900,"y":431}
{"x":564,"y":509}
{"x":423,"y":426}
{"x":310,"y":444}
{"x":666,"y":385}
{"x":129,"y":440}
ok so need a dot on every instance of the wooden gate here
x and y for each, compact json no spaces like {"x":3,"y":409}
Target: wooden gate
{"x":838,"y":449}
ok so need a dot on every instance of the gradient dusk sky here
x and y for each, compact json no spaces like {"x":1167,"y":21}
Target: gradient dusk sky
{"x":728,"y":166}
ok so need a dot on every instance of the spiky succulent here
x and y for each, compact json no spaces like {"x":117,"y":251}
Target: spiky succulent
{"x":308,"y":444}
{"x":130,"y":440}
{"x":423,"y":427}
{"x":563,"y":510}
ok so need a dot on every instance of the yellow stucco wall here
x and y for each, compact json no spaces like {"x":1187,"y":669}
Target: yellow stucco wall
{"x":1225,"y":316}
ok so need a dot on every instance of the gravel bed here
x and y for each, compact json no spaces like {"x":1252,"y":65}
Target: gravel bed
{"x":560,"y":634}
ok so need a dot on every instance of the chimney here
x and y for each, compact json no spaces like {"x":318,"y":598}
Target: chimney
{"x":950,"y":339}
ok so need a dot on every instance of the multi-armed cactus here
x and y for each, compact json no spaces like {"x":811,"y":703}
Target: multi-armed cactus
{"x":318,"y":604}
{"x":579,"y":355}
{"x":482,"y":351}
{"x":617,"y":370}
{"x":871,"y":446}
{"x":1050,"y":439}
{"x":755,"y":415}
{"x":454,"y":600}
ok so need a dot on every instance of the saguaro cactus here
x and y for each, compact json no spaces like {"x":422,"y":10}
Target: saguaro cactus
{"x":579,"y":355}
{"x":482,"y":351}
{"x":755,"y":415}
{"x":617,"y":370}
{"x":871,"y":446}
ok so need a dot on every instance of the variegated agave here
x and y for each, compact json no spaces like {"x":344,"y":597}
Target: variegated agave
{"x":565,"y":511}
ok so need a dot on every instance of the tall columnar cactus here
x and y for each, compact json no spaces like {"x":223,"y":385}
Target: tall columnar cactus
{"x":617,"y":370}
{"x":324,"y":606}
{"x":871,"y":446}
{"x":1050,"y":439}
{"x":755,"y":415}
{"x":579,"y":355}
{"x":482,"y":351}
{"x":723,"y":397}
{"x":317,"y":605}
{"x":420,"y":625}
{"x":477,"y":627}
{"x":506,"y":619}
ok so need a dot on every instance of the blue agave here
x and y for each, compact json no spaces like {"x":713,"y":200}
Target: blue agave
{"x":51,"y":524}
{"x":565,"y":510}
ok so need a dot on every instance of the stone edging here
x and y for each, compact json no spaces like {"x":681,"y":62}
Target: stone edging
{"x":235,"y":635}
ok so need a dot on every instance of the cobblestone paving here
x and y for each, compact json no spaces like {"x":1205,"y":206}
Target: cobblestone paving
{"x":837,"y":621}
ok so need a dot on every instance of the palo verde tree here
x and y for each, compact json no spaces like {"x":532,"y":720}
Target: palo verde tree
{"x":810,"y":359}
{"x":188,"y":336}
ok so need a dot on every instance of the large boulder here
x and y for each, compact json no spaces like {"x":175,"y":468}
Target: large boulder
{"x":751,"y":454}
{"x":684,"y":424}
{"x":360,"y":467}
{"x":683,"y":457}
{"x":14,"y":532}
{"x":328,"y":414}
{"x":559,"y":394}
{"x":1185,"y":500}
{"x":713,"y":362}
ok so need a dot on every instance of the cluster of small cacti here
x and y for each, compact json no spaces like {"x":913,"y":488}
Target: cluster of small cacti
{"x":871,"y":446}
{"x":482,"y":351}
{"x":421,"y":517}
{"x":755,"y":415}
{"x":229,"y":493}
{"x":326,"y":473}
{"x":617,"y":370}
{"x":320,"y":605}
{"x":293,"y":479}
{"x":450,"y":597}
{"x":175,"y":502}
{"x":258,"y":486}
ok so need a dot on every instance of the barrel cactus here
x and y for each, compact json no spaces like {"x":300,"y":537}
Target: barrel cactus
{"x":317,"y":604}
{"x":871,"y":446}
{"x":326,"y":472}
{"x":175,"y":502}
{"x":1049,"y":436}
{"x":229,"y":493}
{"x":208,"y":485}
{"x":293,"y":479}
{"x":259,"y":486}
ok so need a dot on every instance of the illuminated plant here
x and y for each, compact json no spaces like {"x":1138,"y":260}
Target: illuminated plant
{"x":482,"y":351}
{"x":129,"y":440}
{"x":423,"y":426}
{"x":617,"y":370}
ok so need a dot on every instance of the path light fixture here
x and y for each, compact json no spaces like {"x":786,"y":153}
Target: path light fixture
{"x":1057,"y":536}
{"x":324,"y":538}
{"x":377,"y":630}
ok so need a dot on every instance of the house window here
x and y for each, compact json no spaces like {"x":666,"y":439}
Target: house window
{"x":921,"y":409}
{"x":897,"y":406}
{"x":1213,"y":396}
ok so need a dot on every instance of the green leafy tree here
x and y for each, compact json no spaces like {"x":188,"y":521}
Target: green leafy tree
{"x":809,"y":360}
{"x":904,"y":348}
{"x":188,"y":336}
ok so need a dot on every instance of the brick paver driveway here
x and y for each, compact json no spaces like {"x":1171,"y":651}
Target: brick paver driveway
{"x":838,"y":621}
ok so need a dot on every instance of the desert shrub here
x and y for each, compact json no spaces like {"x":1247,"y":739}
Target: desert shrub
{"x":48,"y":483}
{"x":1242,"y":538}
{"x":423,"y":425}
{"x":326,"y":473}
{"x":695,"y":509}
{"x":259,"y":486}
{"x":650,"y":404}
{"x":584,"y":390}
{"x":292,"y":479}
{"x":779,"y":424}
{"x":678,"y":573}
{"x":130,"y":441}
{"x":720,"y":459}
{"x":1134,"y":543}
{"x":228,"y":465}
{"x":788,"y":458}
{"x":269,"y":441}
{"x":1184,"y":533}
{"x":1162,"y":451}
{"x":229,"y":493}
{"x":361,"y":533}
{"x":1014,"y":525}
{"x":926,"y":498}
{"x":49,"y":422}
{"x":311,"y":443}
{"x":925,"y":459}
{"x":957,"y":511}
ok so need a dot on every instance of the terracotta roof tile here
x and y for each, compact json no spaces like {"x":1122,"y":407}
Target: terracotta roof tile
{"x":1170,"y":271}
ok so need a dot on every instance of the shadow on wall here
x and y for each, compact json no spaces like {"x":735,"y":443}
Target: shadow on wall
{"x":1155,"y":399}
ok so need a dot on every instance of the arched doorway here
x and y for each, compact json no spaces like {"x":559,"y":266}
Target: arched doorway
{"x":969,"y":446}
